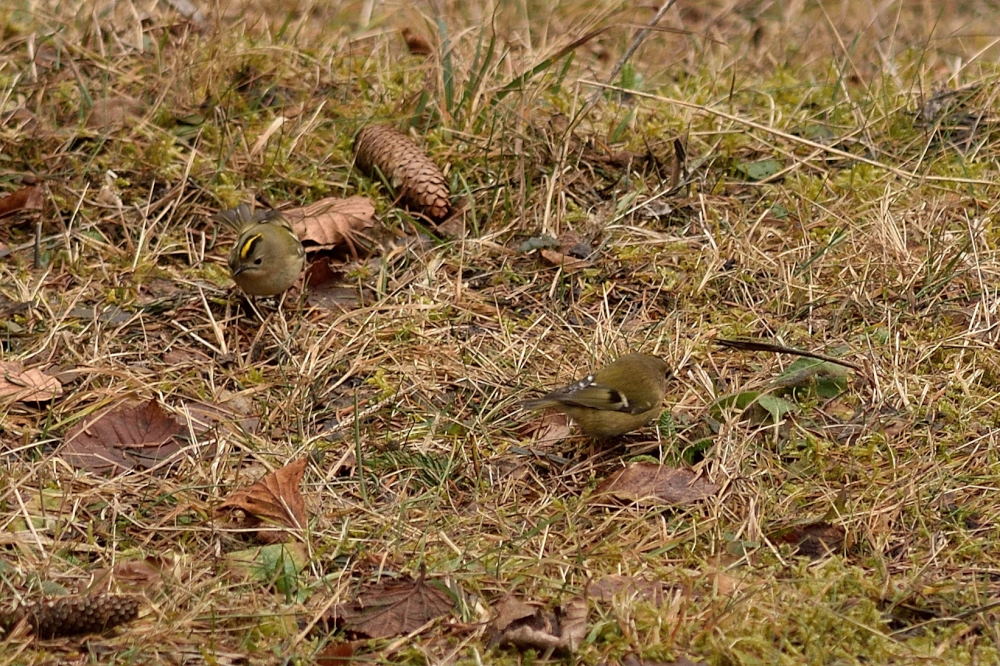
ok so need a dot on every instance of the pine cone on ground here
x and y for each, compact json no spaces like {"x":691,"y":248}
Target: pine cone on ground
{"x":419,"y":183}
{"x":67,"y":616}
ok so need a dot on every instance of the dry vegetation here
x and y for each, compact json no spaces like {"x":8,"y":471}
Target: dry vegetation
{"x":833,"y":190}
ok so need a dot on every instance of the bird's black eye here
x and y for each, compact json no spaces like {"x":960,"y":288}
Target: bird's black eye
{"x":257,"y":261}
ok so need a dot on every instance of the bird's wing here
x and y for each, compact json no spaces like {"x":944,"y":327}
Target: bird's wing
{"x":595,"y":396}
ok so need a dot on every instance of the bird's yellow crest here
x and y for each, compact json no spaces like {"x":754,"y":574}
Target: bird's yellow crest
{"x":248,"y":246}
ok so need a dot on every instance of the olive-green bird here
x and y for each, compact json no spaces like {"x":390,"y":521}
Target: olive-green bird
{"x":617,"y":399}
{"x":268,"y":257}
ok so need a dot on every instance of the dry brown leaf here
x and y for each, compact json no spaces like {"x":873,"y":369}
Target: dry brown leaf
{"x":391,"y":609}
{"x":205,"y":416}
{"x":529,"y":626}
{"x":276,"y":498}
{"x":607,"y":588}
{"x":337,"y":654}
{"x":566,"y":262}
{"x":333,"y":222}
{"x":128,"y":436}
{"x":511,"y":610}
{"x":26,"y":385}
{"x":111,"y":114}
{"x":574,"y":623}
{"x":131,"y":575}
{"x":337,"y":298}
{"x":415,"y":43}
{"x":26,"y":198}
{"x":551,"y":429}
{"x":815,"y":539}
{"x":327,"y":289}
{"x":656,"y":484}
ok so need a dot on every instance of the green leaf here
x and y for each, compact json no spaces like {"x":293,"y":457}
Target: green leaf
{"x":824,"y":378}
{"x":734,"y":401}
{"x":775,"y":406}
{"x":760,"y":169}
{"x":277,"y":564}
{"x":695,"y":451}
{"x":537,"y":243}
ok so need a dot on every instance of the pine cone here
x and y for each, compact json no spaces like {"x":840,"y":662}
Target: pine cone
{"x":419,"y":183}
{"x":66,"y":616}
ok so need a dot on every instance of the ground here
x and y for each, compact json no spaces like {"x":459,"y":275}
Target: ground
{"x":821,"y":175}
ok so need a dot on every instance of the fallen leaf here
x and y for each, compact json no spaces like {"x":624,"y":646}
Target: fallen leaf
{"x":511,"y":610}
{"x":327,"y":288}
{"x":530,"y":626}
{"x":321,"y":272}
{"x":760,"y":169}
{"x":415,"y":43}
{"x":566,"y":262}
{"x":202,"y":417}
{"x":26,"y":198}
{"x":551,"y":429}
{"x":574,"y":623}
{"x":341,"y":299}
{"x":815,"y":539}
{"x":337,"y":654}
{"x":128,"y":436}
{"x":26,"y":385}
{"x":276,"y":498}
{"x":110,"y":114}
{"x":333,"y":222}
{"x":391,"y":609}
{"x":131,"y":575}
{"x":277,"y":564}
{"x":537,"y":243}
{"x":608,"y":588}
{"x":656,"y":484}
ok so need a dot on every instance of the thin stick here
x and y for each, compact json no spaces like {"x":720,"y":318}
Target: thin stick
{"x":755,"y":345}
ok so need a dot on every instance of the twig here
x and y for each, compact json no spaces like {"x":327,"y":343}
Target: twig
{"x":755,"y":345}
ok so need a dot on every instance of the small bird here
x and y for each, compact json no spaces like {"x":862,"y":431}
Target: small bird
{"x":616,"y":399}
{"x":267,"y":257}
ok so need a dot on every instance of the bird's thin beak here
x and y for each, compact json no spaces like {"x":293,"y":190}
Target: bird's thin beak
{"x":239,"y":270}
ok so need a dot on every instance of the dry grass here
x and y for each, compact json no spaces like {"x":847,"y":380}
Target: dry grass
{"x":874,"y":236}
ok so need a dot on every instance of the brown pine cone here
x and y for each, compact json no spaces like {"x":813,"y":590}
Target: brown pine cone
{"x":419,"y":183}
{"x":66,"y":616}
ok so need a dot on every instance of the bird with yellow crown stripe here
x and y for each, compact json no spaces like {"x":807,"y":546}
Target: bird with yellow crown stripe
{"x":268,"y":257}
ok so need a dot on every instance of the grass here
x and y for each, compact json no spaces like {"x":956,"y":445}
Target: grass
{"x":869,"y":230}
